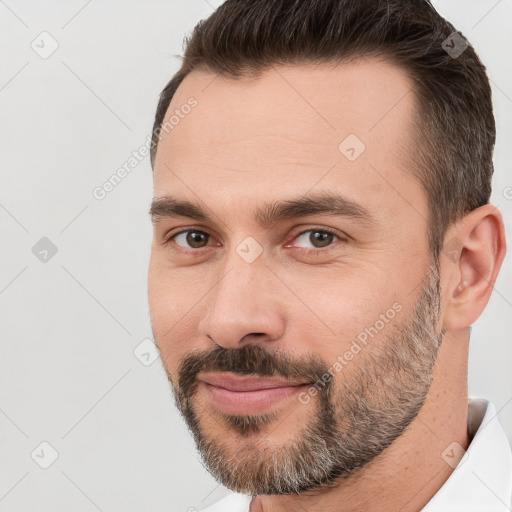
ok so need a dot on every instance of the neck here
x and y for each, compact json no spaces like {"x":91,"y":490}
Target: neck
{"x":409,"y":472}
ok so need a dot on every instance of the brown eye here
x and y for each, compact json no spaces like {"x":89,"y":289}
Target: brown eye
{"x":318,"y":238}
{"x":191,"y":239}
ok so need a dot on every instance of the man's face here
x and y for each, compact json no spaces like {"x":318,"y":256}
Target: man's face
{"x":299,"y":344}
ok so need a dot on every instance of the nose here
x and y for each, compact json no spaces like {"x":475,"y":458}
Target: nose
{"x":244,"y":305}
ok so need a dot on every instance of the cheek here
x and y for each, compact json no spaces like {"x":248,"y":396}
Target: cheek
{"x":342,"y":312}
{"x":342,"y":300}
{"x":172,"y":313}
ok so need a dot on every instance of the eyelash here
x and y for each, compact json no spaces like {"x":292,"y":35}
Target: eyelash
{"x":302,"y":250}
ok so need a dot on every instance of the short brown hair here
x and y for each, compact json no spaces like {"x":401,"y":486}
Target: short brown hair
{"x":454,"y":130}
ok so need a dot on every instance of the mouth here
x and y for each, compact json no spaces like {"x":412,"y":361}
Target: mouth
{"x":233,"y":394}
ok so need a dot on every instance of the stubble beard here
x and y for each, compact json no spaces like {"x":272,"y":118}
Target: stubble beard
{"x":353,"y":421}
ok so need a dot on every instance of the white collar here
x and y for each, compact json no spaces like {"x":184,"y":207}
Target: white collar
{"x":481,"y":482}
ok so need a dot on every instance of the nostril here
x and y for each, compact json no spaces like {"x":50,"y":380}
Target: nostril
{"x":254,"y":336}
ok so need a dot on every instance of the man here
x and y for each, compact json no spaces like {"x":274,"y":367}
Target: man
{"x":323,"y":241}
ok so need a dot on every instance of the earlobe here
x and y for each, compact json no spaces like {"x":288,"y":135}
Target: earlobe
{"x":471,"y":268}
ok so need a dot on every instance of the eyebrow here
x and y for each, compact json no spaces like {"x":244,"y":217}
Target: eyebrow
{"x":269,"y":213}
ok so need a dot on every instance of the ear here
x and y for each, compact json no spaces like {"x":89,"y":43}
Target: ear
{"x":471,"y":258}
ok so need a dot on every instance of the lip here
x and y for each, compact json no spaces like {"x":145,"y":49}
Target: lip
{"x":233,"y":394}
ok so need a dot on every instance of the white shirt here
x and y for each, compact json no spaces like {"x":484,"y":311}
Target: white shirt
{"x":481,"y":482}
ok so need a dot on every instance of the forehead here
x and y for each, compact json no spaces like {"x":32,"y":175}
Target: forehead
{"x":291,"y":129}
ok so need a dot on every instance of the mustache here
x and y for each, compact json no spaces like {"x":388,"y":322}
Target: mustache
{"x":247,"y":360}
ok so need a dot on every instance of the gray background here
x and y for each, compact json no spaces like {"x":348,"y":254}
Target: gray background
{"x":70,"y":324}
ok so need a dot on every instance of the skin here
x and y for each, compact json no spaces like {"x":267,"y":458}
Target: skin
{"x":252,"y":141}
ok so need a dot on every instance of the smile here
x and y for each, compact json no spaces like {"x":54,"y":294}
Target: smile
{"x":232,"y":394}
